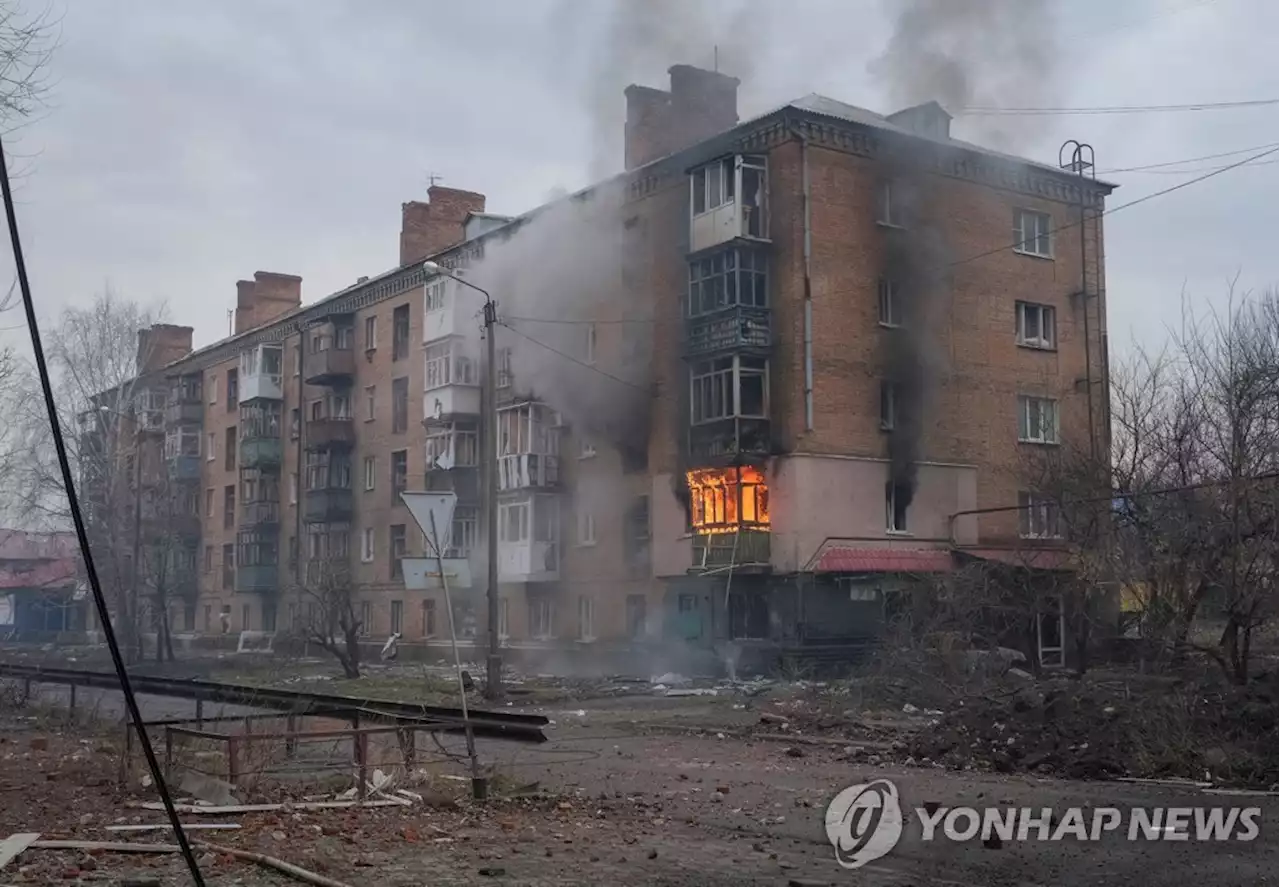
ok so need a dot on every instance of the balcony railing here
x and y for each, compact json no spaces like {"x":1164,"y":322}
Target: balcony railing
{"x":463,"y":480}
{"x":333,"y":365}
{"x":256,"y":513}
{"x":331,"y":434}
{"x":260,"y":452}
{"x":327,"y":505}
{"x":739,"y":328}
{"x":745,"y":548}
{"x":714,"y":442}
{"x":528,"y":471}
{"x":257,"y":577}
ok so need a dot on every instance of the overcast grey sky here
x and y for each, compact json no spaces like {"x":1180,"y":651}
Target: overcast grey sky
{"x":190,"y":143}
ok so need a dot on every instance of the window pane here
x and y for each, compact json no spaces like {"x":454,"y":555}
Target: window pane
{"x":700,"y":191}
{"x":714,"y":198}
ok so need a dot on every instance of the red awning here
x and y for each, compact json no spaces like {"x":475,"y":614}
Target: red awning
{"x":54,"y":574}
{"x":884,"y":560}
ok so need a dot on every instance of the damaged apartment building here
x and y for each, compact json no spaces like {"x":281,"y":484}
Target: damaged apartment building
{"x":822,"y":346}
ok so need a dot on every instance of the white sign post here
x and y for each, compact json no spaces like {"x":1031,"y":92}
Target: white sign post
{"x":431,"y":511}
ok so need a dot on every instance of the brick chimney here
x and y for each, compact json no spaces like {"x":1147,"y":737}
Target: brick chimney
{"x":268,"y":296}
{"x":161,"y":345}
{"x":699,"y":105}
{"x":428,"y":228}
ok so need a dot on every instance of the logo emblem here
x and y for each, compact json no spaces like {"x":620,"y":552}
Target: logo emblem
{"x":864,"y":822}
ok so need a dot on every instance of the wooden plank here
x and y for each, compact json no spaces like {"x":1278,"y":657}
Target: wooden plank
{"x":15,"y":844}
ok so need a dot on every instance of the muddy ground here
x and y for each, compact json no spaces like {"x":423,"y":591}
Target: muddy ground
{"x":623,"y":793}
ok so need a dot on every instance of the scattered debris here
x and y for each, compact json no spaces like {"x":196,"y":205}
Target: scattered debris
{"x":15,"y":844}
{"x":165,"y":827}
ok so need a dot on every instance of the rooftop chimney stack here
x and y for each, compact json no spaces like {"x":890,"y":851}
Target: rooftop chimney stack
{"x":161,"y":345}
{"x":434,"y":226}
{"x":268,"y":296}
{"x":700,"y":104}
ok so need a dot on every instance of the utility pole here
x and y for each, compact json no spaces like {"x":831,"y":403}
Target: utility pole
{"x":493,"y":671}
{"x":489,"y":429}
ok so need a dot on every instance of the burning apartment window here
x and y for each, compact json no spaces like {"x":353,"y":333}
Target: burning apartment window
{"x":896,"y":499}
{"x":734,"y":277}
{"x":1037,"y":517}
{"x":727,"y":387}
{"x":1031,"y":233}
{"x":890,"y":312}
{"x":889,"y":209}
{"x":722,"y":500}
{"x":712,"y":186}
{"x":1035,"y":325}
{"x":400,"y":333}
{"x":1037,"y":420}
{"x":888,"y":406}
{"x":434,"y":298}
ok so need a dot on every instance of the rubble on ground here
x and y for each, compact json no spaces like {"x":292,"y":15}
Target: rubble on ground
{"x":1099,"y":729}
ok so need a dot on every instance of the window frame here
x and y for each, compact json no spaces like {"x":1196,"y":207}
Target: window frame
{"x":368,"y":544}
{"x":1050,"y":516}
{"x":1021,"y":240}
{"x":1043,"y":311}
{"x":370,"y":473}
{"x":1025,"y":403}
{"x":711,"y":373}
{"x":889,"y":211}
{"x":717,"y":281}
{"x":892,"y":513}
{"x":371,"y":332}
{"x":887,"y":292}
{"x":888,"y":405}
{"x":586,"y":535}
{"x":701,"y":184}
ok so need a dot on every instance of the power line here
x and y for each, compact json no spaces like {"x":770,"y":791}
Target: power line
{"x":981,"y":111}
{"x":1235,"y":153}
{"x":1184,"y":172}
{"x":573,"y":359}
{"x":82,"y":533}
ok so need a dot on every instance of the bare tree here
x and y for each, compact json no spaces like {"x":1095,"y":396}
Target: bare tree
{"x":106,"y":412}
{"x":27,"y":43}
{"x":327,"y":615}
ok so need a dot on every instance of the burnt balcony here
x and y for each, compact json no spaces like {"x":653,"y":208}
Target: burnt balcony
{"x":744,"y":549}
{"x":328,"y":505}
{"x":463,"y":480}
{"x":253,"y":514}
{"x":724,"y":440}
{"x":258,"y":577}
{"x":332,"y":366}
{"x":740,"y":328}
{"x":331,"y":434}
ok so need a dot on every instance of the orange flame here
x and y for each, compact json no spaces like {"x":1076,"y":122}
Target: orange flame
{"x":724,"y":499}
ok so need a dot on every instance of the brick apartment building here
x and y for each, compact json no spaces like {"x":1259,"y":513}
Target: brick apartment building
{"x":848,"y":362}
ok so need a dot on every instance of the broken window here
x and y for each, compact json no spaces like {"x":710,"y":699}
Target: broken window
{"x":896,"y":499}
{"x":1031,"y":233}
{"x":1037,"y":420}
{"x":890,"y":311}
{"x":733,"y":277}
{"x":1035,"y":325}
{"x":727,"y":387}
{"x":434,"y":298}
{"x":755,"y":193}
{"x":1037,"y":517}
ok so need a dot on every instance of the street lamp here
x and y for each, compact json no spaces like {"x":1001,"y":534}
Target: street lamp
{"x":493,"y":664}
